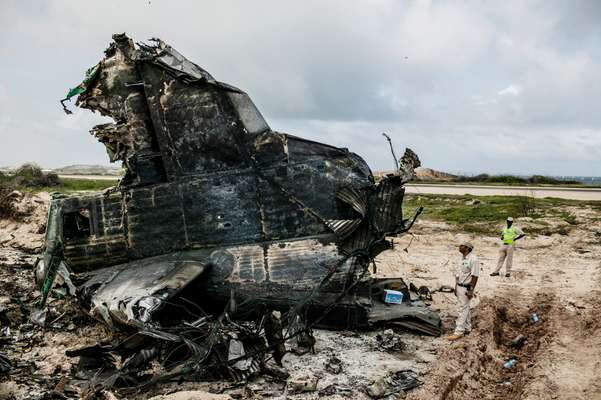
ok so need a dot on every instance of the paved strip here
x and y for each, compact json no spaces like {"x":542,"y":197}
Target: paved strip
{"x":92,"y":177}
{"x":533,"y":191}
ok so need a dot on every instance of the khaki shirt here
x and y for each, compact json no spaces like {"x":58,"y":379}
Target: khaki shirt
{"x":466,"y":268}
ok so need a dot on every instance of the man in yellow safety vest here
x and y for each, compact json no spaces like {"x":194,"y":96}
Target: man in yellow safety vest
{"x":509,"y":237}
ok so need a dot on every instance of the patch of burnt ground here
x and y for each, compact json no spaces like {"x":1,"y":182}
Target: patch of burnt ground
{"x":478,"y":367}
{"x":33,"y":363}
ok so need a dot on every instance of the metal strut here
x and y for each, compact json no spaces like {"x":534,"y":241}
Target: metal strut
{"x":396,"y":161}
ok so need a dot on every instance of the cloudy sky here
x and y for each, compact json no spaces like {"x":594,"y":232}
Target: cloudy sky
{"x":487,"y":86}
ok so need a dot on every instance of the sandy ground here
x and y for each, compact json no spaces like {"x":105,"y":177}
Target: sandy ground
{"x":557,"y":276}
{"x":483,"y":190}
{"x":26,"y":235}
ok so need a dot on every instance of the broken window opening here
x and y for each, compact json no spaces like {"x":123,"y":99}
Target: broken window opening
{"x":224,"y":225}
{"x":77,"y":224}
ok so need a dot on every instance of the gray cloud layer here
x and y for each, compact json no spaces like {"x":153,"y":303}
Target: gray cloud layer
{"x":471,"y":86}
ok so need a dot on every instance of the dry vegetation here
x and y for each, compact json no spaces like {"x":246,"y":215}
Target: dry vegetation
{"x":26,"y":177}
{"x":31,"y":178}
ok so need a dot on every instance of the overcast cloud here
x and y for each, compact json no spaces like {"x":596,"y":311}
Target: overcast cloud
{"x":502,"y":87}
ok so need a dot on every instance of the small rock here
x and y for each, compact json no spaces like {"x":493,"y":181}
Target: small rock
{"x":276,"y":371}
{"x":334,"y":365}
{"x":390,"y":341}
{"x":192,"y":395}
{"x":303,"y":384}
{"x":15,"y":194}
{"x":377,"y":389}
{"x":518,"y":342}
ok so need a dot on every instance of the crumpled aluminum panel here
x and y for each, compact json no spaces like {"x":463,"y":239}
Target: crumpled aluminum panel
{"x":131,"y":293}
{"x":167,"y":57}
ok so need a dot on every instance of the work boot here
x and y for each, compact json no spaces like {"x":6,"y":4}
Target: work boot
{"x":506,"y":275}
{"x":455,"y":336}
{"x":494,"y":274}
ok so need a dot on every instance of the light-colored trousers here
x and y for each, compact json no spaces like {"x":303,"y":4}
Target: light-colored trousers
{"x":464,"y":316}
{"x":505,"y":253}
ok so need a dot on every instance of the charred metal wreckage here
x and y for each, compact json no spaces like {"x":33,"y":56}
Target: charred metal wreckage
{"x":225,"y":240}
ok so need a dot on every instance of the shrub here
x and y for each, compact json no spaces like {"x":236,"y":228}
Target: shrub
{"x":526,"y":205}
{"x":7,"y":201}
{"x":506,"y":179}
{"x":546,"y":180}
{"x":513,"y":180}
{"x":32,"y":176}
{"x":569,"y":218}
{"x":475,"y":178}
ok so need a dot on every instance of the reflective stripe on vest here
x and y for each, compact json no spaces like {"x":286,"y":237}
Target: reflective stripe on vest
{"x":509,"y":235}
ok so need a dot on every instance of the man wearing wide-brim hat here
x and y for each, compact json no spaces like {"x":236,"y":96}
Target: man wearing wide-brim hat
{"x":466,"y":277}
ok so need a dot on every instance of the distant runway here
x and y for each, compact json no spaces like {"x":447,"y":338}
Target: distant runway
{"x":481,"y":190}
{"x":92,"y":177}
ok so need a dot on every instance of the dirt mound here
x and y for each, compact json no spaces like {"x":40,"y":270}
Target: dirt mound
{"x":88,"y":170}
{"x":556,"y":357}
{"x":428,"y":174}
{"x":474,"y":367}
{"x":26,"y":234}
{"x":423,"y":174}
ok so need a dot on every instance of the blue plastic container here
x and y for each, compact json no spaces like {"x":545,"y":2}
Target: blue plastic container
{"x":393,"y":297}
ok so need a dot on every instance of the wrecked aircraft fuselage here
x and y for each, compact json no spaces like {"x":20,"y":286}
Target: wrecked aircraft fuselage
{"x":217,"y":211}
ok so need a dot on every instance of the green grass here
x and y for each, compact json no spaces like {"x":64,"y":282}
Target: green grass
{"x":62,"y":186}
{"x":456,"y":209}
{"x":484,"y":214}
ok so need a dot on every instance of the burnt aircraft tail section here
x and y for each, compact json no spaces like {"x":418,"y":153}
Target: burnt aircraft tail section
{"x":220,"y":219}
